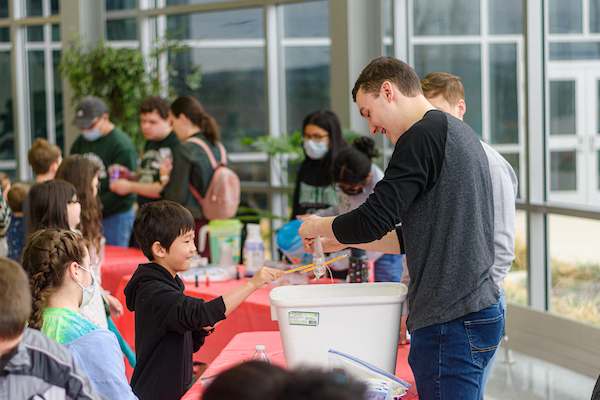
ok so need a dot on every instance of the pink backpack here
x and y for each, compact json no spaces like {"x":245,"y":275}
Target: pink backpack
{"x":223,"y":195}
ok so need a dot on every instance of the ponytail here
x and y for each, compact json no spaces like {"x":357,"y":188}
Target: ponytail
{"x":352,"y":165}
{"x":193,"y":110}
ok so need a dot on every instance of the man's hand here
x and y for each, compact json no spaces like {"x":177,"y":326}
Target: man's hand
{"x":121,"y":187}
{"x":308,"y":226}
{"x":165,"y":169}
{"x":329,"y":245}
{"x":403,"y":330}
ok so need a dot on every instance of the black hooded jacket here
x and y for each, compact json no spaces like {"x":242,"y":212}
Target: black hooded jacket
{"x":168,"y":330}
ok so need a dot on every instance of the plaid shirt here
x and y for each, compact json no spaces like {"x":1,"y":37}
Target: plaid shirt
{"x":4,"y":214}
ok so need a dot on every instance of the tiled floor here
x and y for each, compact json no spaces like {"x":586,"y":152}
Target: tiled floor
{"x":528,"y":378}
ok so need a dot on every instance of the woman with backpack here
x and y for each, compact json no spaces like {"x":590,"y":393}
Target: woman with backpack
{"x":192,"y":165}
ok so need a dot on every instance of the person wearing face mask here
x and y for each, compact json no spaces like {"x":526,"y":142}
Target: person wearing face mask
{"x":33,"y":366}
{"x":356,"y":176}
{"x":105,"y":144}
{"x":322,"y":140}
{"x":58,"y":264}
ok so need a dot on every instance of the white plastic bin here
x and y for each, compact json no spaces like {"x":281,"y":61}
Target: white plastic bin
{"x":360,"y":319}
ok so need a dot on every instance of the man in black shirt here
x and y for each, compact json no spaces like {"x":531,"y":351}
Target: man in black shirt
{"x":438,"y":186}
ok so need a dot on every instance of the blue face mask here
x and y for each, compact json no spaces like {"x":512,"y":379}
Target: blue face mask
{"x":316,"y":150}
{"x":91,"y":135}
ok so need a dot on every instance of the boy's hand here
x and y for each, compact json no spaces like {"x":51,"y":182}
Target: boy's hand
{"x":263,"y":276}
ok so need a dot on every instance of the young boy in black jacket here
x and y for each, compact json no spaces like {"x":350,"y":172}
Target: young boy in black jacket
{"x":170,"y":326}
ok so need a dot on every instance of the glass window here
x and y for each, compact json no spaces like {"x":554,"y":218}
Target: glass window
{"x":515,"y":283}
{"x":451,"y":17}
{"x":258,"y":201}
{"x":7,"y":128}
{"x":121,"y":29}
{"x":515,"y":162}
{"x":184,"y":2}
{"x":598,"y":107}
{"x":35,"y":33}
{"x":575,"y":264}
{"x":237,"y":24}
{"x":563,"y":170}
{"x":120,"y":4}
{"x":233,"y":78}
{"x":506,"y":17}
{"x":5,"y":34}
{"x":54,"y":8}
{"x":56,"y":33}
{"x":565,"y":16}
{"x":388,"y":17}
{"x":575,"y":51}
{"x":251,"y":171}
{"x":308,"y":19}
{"x":58,"y":100}
{"x":3,"y":8}
{"x":37,"y":93}
{"x":562,"y":108}
{"x":232,"y":90}
{"x":504,"y":104}
{"x":306,"y":83}
{"x":463,"y":60}
{"x":594,"y":16}
{"x":34,"y":8}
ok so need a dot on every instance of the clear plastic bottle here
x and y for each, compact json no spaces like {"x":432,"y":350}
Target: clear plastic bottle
{"x":260,"y":354}
{"x":254,"y":250}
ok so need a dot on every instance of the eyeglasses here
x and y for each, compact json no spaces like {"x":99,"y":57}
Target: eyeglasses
{"x":351,"y":190}
{"x":315,"y":137}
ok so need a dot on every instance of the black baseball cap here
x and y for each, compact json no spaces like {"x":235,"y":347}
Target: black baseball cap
{"x":87,"y":109}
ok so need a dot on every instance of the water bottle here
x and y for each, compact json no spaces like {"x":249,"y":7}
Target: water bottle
{"x":254,"y":250}
{"x":260,"y":354}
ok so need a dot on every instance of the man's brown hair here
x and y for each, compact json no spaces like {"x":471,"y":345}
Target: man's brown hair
{"x":42,"y":155}
{"x":15,"y":299}
{"x":390,"y":69}
{"x":152,"y":103}
{"x":450,"y":86}
{"x":15,"y":196}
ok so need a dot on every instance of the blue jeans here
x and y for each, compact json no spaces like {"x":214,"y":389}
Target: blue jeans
{"x":448,"y":359}
{"x":388,"y":268}
{"x":488,"y":369}
{"x":118,"y":227}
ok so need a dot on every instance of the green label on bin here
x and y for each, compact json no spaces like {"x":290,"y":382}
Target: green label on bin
{"x":303,"y":318}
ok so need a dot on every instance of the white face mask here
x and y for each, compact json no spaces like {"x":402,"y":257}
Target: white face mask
{"x":91,"y":135}
{"x":88,"y":292}
{"x":316,"y":150}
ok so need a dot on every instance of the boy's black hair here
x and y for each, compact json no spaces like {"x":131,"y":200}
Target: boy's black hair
{"x":161,"y":221}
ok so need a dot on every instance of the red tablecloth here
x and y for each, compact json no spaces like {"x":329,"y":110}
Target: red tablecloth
{"x":118,"y":262}
{"x":242,"y":347}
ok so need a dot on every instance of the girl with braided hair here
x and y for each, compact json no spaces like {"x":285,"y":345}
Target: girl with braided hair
{"x":58,"y":264}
